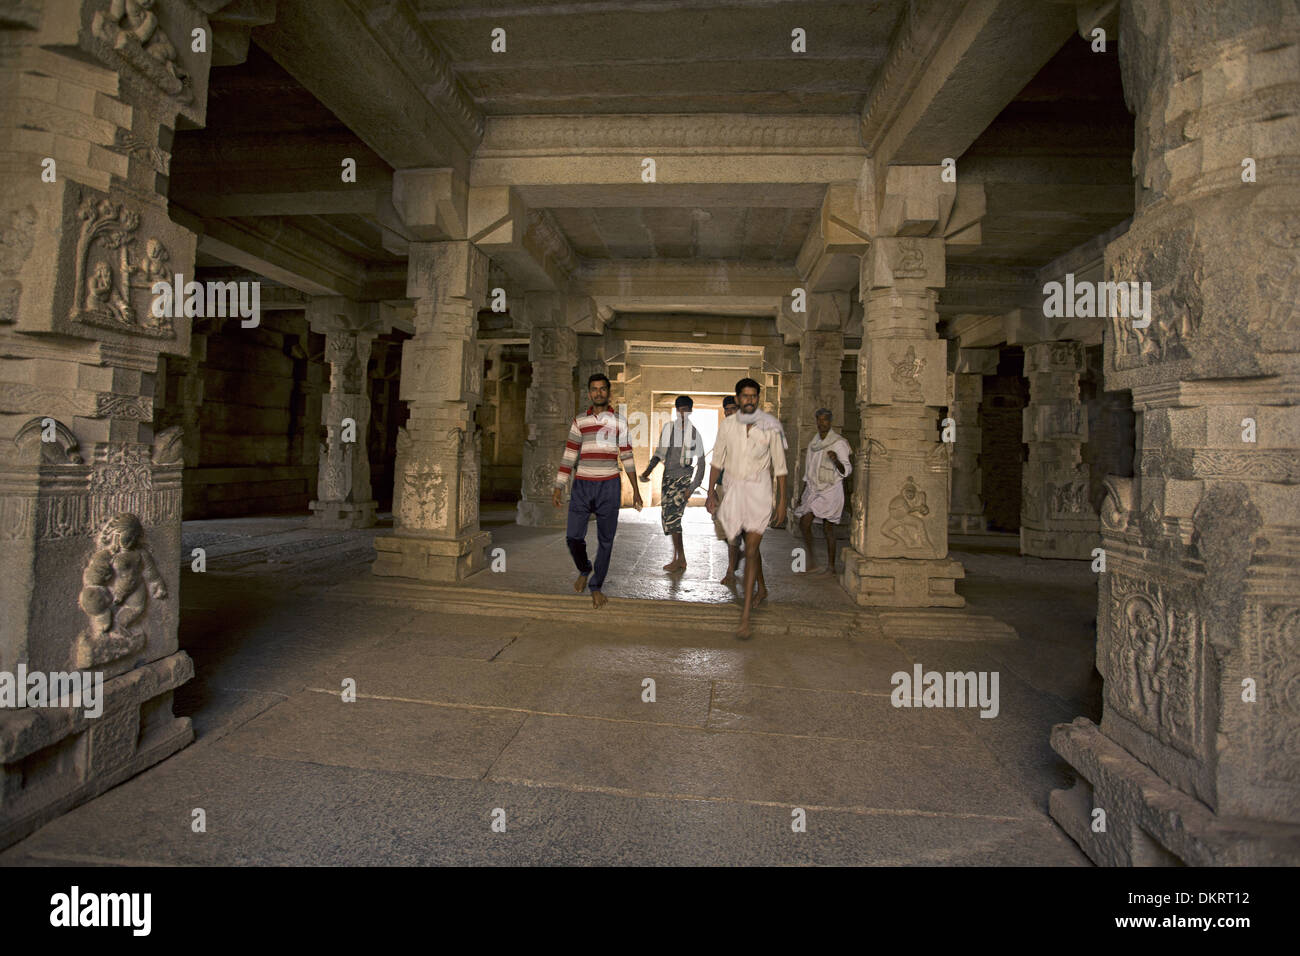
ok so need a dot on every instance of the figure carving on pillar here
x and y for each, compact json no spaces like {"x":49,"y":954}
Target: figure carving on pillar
{"x":117,"y":583}
{"x":905,"y":526}
{"x":906,"y":375}
{"x":136,"y":20}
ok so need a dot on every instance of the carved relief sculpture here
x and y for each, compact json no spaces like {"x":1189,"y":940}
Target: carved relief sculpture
{"x":118,"y":582}
{"x":107,"y":279}
{"x":905,"y":525}
{"x":906,"y":376}
{"x":132,"y":30}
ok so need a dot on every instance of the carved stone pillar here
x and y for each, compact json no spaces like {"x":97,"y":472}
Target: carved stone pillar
{"x":899,"y":556}
{"x":821,"y":360}
{"x":966,"y":507}
{"x":344,"y":498}
{"x":1197,"y":758}
{"x":1057,"y":519}
{"x":90,"y":492}
{"x":436,"y":490}
{"x":552,"y":353}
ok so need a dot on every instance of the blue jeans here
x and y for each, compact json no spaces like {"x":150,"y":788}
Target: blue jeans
{"x":601,"y":497}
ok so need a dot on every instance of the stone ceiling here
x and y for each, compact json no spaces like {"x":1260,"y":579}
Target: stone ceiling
{"x":261,"y":182}
{"x":664,"y":56}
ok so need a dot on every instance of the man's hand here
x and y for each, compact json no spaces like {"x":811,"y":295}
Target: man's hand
{"x":833,"y":457}
{"x":557,"y":496}
{"x":637,"y":503}
{"x":780,"y":514}
{"x":646,"y":476}
{"x":711,"y":504}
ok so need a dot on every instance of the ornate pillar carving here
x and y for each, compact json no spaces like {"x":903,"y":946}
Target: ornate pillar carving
{"x":344,"y":498}
{"x":552,"y":353}
{"x":1057,"y":519}
{"x":899,"y":535}
{"x":90,"y":488}
{"x":1197,"y":757}
{"x":436,"y":490}
{"x":966,"y":507}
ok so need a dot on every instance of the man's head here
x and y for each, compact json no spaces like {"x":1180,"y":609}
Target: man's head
{"x":823,"y":421}
{"x":598,"y":391}
{"x":747,"y":391}
{"x":729,"y":406}
{"x":683,"y":406}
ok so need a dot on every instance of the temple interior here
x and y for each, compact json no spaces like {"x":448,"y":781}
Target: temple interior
{"x":299,"y":302}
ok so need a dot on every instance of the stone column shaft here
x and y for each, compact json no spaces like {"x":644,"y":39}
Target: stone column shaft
{"x":552,"y":353}
{"x":436,"y":489}
{"x":900,"y":526}
{"x":966,"y":506}
{"x":1057,"y":519}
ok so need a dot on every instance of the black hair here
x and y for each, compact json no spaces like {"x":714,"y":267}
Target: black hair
{"x":729,"y":401}
{"x":745,"y":383}
{"x":684,"y":401}
{"x":598,"y":377}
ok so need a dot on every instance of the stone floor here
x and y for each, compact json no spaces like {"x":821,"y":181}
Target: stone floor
{"x":532,"y":703}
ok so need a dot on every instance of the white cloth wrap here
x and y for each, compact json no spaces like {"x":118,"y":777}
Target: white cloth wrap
{"x":746,"y":505}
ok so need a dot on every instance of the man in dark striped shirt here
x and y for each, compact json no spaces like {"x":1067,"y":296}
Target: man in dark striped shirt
{"x":598,"y":446}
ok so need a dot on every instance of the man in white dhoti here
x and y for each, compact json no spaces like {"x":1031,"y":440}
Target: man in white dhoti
{"x":827,"y":464}
{"x":750,"y":449}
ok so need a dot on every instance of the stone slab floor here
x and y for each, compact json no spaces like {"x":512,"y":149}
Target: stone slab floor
{"x":460,"y":714}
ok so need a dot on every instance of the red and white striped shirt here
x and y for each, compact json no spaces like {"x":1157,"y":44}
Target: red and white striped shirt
{"x":599,"y":445}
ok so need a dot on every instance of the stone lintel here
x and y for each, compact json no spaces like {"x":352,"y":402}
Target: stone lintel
{"x":948,"y":77}
{"x":406,"y":104}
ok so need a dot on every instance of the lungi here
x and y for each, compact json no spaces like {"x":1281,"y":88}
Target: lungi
{"x":673,"y":495}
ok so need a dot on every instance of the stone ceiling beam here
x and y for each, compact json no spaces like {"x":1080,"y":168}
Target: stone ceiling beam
{"x":949,"y":74}
{"x":700,"y":160}
{"x":379,"y":71}
{"x":759,"y":286}
{"x":280,"y":251}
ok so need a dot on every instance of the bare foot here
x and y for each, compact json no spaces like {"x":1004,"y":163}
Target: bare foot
{"x":743,"y":632}
{"x":598,"y":600}
{"x":760,"y":596}
{"x":580,"y":584}
{"x":675,"y":565}
{"x":729,"y":580}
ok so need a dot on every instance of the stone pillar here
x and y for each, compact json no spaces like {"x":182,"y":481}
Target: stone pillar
{"x":90,"y":491}
{"x":821,"y":360}
{"x":966,"y":507}
{"x":344,"y":498}
{"x":552,"y":353}
{"x":899,"y":556}
{"x":1057,"y":519}
{"x":436,"y":489}
{"x":1197,"y":758}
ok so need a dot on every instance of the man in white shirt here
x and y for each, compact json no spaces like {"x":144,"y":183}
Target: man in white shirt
{"x":827,"y":465}
{"x":751,"y":449}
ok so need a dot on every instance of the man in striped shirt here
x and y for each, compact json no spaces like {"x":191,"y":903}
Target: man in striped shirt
{"x":598,"y":446}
